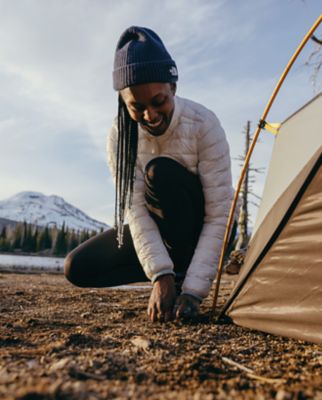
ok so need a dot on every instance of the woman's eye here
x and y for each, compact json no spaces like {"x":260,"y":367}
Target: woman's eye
{"x":155,"y":103}
{"x":159,"y":103}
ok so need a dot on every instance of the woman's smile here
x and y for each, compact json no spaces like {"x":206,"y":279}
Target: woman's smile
{"x":154,"y":124}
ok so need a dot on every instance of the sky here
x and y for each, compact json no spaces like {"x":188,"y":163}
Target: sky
{"x":57,"y":102}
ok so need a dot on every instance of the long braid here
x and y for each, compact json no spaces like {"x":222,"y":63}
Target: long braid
{"x":127,"y":144}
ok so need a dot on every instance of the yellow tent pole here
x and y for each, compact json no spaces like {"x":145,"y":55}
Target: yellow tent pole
{"x":250,"y":151}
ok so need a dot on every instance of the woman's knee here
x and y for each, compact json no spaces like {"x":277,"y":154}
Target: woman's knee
{"x":161,"y":168}
{"x":72,"y":270}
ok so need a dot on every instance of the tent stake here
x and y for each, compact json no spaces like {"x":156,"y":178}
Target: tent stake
{"x":250,"y":151}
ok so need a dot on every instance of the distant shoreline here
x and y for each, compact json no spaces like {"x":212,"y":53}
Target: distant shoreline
{"x":22,"y":263}
{"x":23,"y":253}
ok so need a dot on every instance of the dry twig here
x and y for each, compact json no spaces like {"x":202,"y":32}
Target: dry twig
{"x":250,"y":372}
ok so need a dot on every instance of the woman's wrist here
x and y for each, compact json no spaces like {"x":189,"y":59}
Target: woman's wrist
{"x":165,"y":278}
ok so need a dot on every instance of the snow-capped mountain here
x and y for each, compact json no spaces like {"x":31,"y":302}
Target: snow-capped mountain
{"x":38,"y":209}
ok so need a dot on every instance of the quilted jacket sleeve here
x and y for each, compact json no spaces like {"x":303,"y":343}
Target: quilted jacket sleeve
{"x":147,"y":240}
{"x":215,"y":175}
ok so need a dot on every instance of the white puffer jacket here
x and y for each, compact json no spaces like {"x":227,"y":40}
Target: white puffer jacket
{"x":195,"y":139}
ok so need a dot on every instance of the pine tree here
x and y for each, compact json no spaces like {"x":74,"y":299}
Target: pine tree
{"x":41,"y":241}
{"x":60,"y":247}
{"x":44,"y":241}
{"x":3,"y":234}
{"x":17,"y":236}
{"x":4,"y":240}
{"x":34,"y":240}
{"x":84,"y":235}
{"x":48,"y":239}
{"x":26,"y":236}
{"x":73,"y":240}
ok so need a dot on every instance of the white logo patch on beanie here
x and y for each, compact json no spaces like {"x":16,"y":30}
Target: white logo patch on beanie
{"x":173,"y":71}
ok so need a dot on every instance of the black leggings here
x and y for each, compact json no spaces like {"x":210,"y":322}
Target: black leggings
{"x":174,"y":199}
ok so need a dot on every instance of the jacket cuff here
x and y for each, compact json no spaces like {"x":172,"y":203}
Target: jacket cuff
{"x":192,"y":291}
{"x":164,"y":272}
{"x":199,"y":298}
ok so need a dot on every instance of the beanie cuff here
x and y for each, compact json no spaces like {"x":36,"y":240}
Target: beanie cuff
{"x":147,"y":72}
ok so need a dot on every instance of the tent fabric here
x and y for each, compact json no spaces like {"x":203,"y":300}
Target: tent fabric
{"x":273,"y":224}
{"x":298,"y":139}
{"x":279,"y":289}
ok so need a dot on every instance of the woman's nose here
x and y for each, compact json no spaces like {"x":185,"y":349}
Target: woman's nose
{"x":150,"y":114}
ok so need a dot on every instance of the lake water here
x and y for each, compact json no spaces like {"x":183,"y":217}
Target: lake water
{"x":34,"y":264}
{"x":14,"y":263}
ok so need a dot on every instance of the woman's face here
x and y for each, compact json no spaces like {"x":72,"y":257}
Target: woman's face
{"x":151,"y":105}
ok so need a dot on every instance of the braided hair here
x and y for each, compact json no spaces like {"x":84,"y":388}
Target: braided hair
{"x":140,"y":57}
{"x":126,"y":153}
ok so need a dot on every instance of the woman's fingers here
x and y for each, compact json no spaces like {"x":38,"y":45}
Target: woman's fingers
{"x":162,"y":299}
{"x":152,"y":311}
{"x":168,"y":316}
{"x":155,"y":313}
{"x":194,"y":313}
{"x":180,"y":311}
{"x":186,"y":308}
{"x":183,"y":309}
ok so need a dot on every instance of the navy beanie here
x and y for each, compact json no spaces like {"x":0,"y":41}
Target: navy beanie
{"x":141,"y":57}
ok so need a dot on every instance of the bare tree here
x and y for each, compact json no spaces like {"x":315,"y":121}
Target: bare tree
{"x":314,"y":62}
{"x":246,"y":193}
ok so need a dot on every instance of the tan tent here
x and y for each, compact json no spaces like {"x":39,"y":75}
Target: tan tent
{"x":279,"y":289}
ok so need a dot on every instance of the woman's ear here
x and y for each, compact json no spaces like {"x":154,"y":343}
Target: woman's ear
{"x":173,"y":87}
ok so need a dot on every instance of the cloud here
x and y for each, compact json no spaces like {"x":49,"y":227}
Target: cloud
{"x":56,"y":98}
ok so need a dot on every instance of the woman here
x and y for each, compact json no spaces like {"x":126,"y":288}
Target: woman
{"x":170,"y":161}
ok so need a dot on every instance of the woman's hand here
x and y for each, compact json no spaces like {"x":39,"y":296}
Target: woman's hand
{"x":186,"y":307}
{"x":162,"y":299}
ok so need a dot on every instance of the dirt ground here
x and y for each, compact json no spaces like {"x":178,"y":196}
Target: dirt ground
{"x":62,"y":342}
